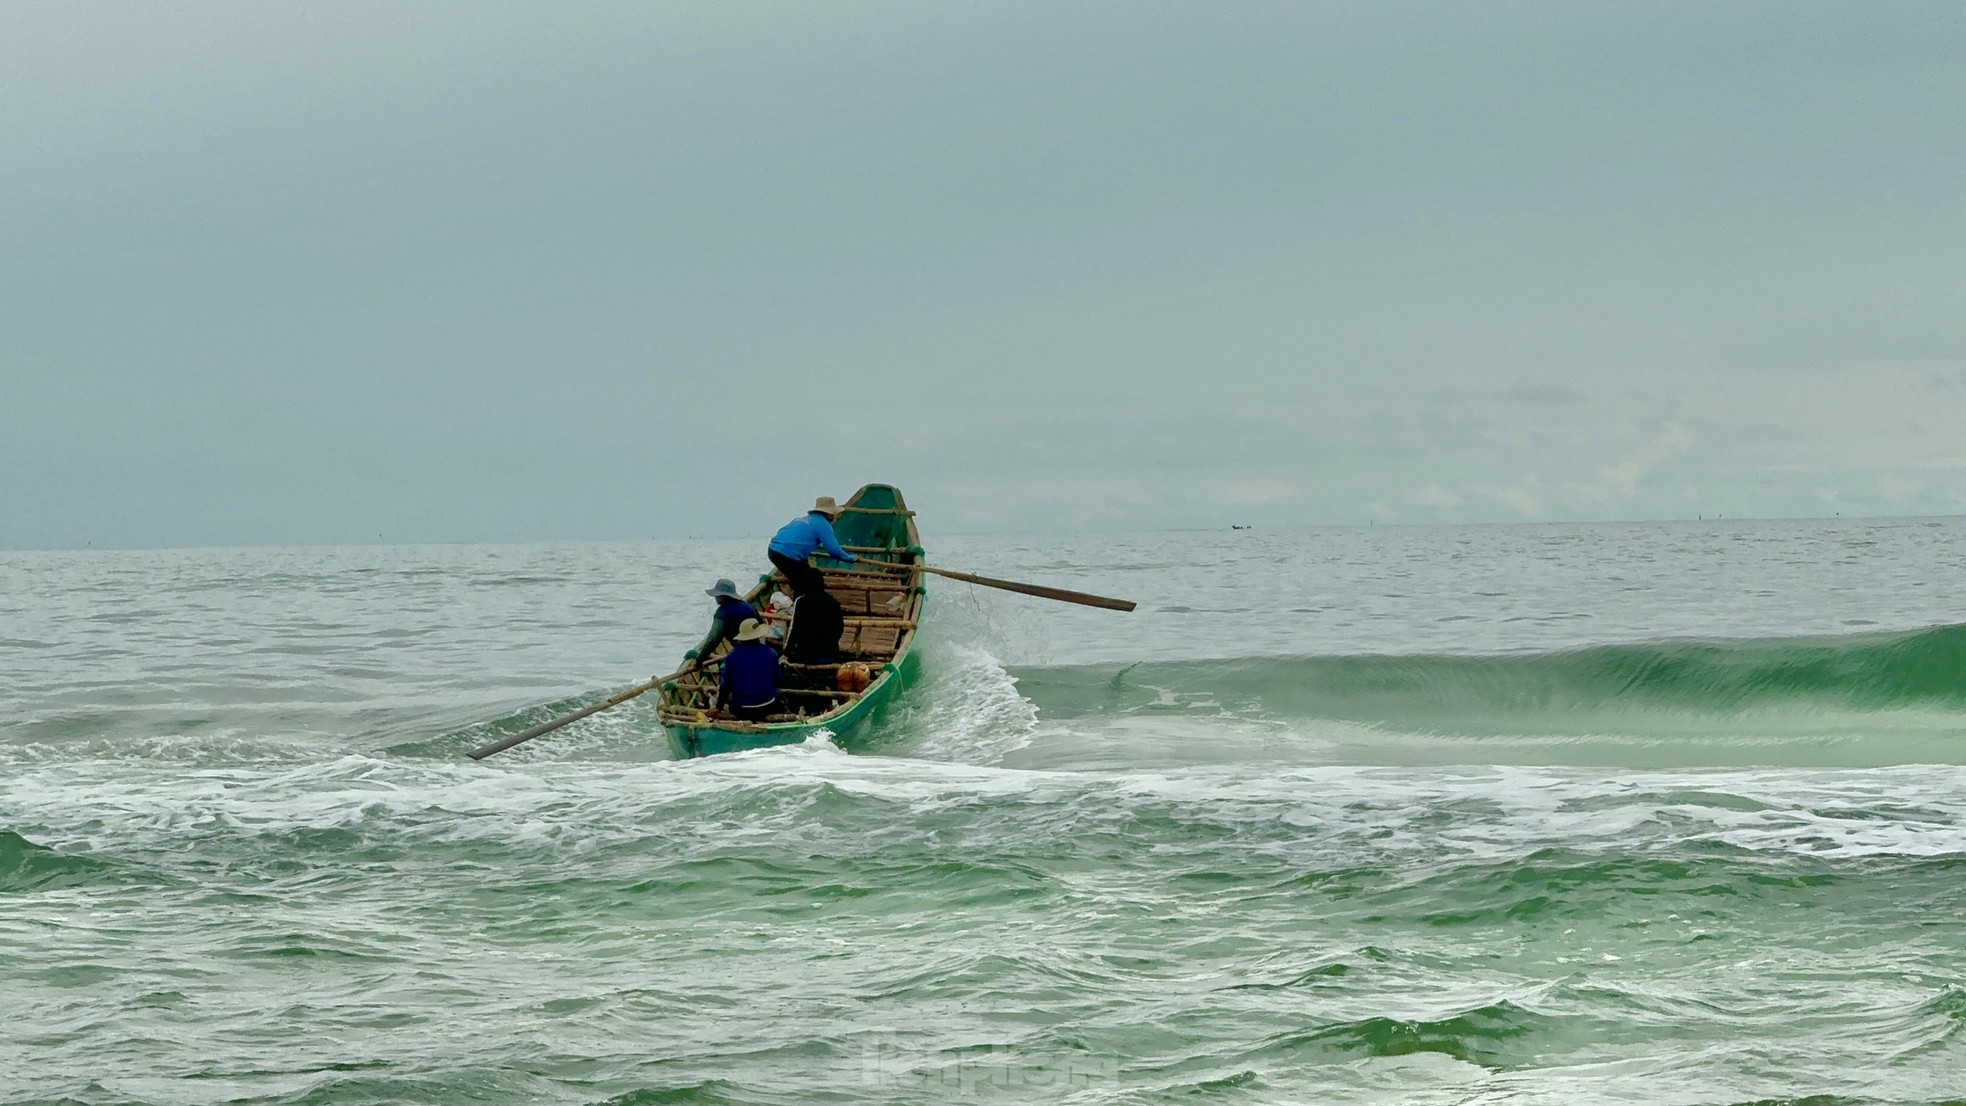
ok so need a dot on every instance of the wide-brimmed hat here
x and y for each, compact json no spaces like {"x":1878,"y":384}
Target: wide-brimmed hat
{"x":752,"y":630}
{"x":724,"y":590}
{"x":825,"y":506}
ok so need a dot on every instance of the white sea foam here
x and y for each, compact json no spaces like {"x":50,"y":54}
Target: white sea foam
{"x":243,"y":843}
{"x":966,"y":709}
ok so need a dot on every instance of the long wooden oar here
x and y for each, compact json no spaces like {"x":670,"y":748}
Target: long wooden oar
{"x":1042,"y":592}
{"x":549,"y":727}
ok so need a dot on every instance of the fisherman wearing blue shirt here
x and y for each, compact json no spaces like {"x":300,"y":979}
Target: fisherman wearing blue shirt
{"x":801,"y":537}
{"x":732,"y":610}
{"x":749,"y":687}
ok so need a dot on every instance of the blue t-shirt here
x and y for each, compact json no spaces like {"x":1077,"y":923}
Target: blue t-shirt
{"x":750,"y":675}
{"x":799,"y":537}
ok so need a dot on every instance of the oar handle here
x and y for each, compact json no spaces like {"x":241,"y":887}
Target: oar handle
{"x":549,"y":727}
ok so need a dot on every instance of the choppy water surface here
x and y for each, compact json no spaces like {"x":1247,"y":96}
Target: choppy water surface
{"x":1669,"y":813}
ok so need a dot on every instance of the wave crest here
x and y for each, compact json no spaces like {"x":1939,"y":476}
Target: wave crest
{"x":1923,"y":668}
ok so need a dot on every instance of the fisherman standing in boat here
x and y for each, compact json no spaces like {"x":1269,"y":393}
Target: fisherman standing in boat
{"x":749,"y":686}
{"x":817,"y":624}
{"x":801,"y":537}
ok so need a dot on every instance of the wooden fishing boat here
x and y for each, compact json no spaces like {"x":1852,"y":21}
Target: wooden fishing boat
{"x":883,"y":609}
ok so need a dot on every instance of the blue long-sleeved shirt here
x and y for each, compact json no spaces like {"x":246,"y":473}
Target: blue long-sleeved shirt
{"x":799,"y":537}
{"x":750,"y":675}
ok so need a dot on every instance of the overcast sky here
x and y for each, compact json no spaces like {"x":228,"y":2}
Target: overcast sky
{"x":341,"y":272}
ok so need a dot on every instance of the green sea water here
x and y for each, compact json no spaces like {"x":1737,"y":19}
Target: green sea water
{"x":1667,"y":813}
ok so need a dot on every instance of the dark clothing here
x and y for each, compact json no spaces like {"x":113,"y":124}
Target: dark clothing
{"x":758,"y":713}
{"x":731,"y":614}
{"x":816,"y":628}
{"x":750,"y":680}
{"x":803,"y":576}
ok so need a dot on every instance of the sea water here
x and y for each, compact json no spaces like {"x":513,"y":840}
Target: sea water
{"x":1663,"y":813}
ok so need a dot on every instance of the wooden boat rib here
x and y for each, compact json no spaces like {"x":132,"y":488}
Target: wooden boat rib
{"x":883,"y":611}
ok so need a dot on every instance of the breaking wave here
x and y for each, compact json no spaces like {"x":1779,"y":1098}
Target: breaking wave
{"x":1916,"y":670}
{"x":26,"y":866}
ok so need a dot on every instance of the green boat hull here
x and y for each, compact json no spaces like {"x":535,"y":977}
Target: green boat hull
{"x":709,"y":739}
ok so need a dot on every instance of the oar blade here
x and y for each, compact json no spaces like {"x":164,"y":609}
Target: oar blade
{"x":543,"y":728}
{"x":1063,"y":595}
{"x":548,"y":727}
